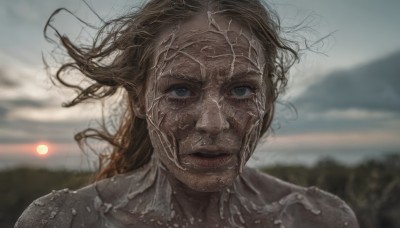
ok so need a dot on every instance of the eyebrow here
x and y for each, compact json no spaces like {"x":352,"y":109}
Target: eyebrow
{"x":181,"y":77}
{"x":195,"y":79}
{"x":245,"y":74}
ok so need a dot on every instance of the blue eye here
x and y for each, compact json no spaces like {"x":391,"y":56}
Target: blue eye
{"x":180,"y":92}
{"x":241,"y":91}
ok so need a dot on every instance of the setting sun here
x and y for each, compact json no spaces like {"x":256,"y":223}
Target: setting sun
{"x":42,"y":149}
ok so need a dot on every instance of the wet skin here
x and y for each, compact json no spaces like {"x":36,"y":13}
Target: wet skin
{"x":204,"y":103}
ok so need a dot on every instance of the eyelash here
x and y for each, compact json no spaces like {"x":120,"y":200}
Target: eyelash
{"x":245,"y":99}
{"x":183,"y":101}
{"x":252,"y":89}
{"x":176,"y":100}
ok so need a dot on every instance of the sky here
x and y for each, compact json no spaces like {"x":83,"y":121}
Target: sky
{"x":346,"y":92}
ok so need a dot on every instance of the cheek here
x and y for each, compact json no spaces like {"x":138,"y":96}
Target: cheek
{"x":244,"y":116}
{"x":176,"y":120}
{"x":248,"y":123}
{"x":169,"y":127}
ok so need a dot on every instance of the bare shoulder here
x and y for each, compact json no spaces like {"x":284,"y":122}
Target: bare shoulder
{"x":301,"y":206}
{"x":85,"y":207}
{"x":334,"y":212}
{"x":63,"y":208}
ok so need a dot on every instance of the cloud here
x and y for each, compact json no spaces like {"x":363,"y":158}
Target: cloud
{"x":386,"y":140}
{"x":5,"y":81}
{"x":28,"y":131}
{"x":24,"y":120}
{"x":29,"y":112}
{"x":22,"y":88}
{"x":51,"y":114}
{"x":30,"y":108}
{"x":3,"y":112}
{"x":373,"y":87}
{"x":363,"y":99}
{"x":352,"y":114}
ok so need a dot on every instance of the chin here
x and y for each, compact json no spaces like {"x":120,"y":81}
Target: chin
{"x":208,"y":182}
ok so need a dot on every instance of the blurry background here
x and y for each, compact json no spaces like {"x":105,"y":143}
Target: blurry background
{"x":347,"y":96}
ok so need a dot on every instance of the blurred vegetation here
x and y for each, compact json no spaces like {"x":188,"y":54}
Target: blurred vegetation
{"x":371,"y":188}
{"x":20,"y":186}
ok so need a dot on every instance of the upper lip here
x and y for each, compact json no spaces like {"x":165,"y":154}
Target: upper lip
{"x":210,"y":149}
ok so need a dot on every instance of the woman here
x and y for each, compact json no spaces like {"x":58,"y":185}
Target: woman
{"x":200,"y":80}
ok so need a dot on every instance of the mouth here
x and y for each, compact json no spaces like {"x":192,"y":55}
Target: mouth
{"x":209,"y":155}
{"x":207,"y":159}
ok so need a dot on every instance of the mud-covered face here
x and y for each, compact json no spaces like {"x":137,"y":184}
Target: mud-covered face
{"x":205,"y":100}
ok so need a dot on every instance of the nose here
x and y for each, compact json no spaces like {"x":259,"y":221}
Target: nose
{"x":211,"y":119}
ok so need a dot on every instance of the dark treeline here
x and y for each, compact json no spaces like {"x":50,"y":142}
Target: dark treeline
{"x":371,"y":188}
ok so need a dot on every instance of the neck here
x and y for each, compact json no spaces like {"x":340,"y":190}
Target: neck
{"x":187,"y":192}
{"x":170,"y":198}
{"x":194,"y":204}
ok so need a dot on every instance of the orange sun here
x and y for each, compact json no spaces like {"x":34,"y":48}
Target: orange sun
{"x":42,"y":149}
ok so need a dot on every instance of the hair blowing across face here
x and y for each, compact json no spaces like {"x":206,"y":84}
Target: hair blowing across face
{"x":129,"y":42}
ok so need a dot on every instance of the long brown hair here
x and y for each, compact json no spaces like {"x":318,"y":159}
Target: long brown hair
{"x":129,"y":42}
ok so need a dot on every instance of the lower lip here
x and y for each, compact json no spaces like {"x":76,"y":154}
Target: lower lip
{"x":208,"y":163}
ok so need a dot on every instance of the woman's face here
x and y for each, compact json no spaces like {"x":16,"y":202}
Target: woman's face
{"x":205,"y":100}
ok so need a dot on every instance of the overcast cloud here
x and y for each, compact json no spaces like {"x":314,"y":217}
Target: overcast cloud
{"x":374,"y":86}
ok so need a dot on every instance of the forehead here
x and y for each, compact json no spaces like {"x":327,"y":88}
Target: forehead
{"x":207,"y":38}
{"x":210,"y":33}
